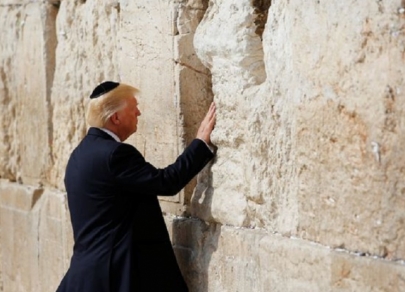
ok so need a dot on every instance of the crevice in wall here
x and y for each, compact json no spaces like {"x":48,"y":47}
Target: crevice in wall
{"x":191,"y":67}
{"x":55,"y":3}
{"x":7,"y":173}
{"x":38,"y":228}
{"x":118,"y":7}
{"x":11,"y":5}
{"x":36,"y":196}
{"x":50,"y":43}
{"x":194,"y":81}
{"x":261,"y":9}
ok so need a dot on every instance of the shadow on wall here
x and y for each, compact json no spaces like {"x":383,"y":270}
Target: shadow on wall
{"x":195,"y":240}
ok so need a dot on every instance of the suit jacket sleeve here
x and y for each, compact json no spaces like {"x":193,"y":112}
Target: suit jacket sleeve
{"x":132,"y":172}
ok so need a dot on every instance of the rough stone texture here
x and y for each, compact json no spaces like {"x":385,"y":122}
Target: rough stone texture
{"x":26,"y":52}
{"x":314,"y":151}
{"x":228,"y":45}
{"x":36,"y":238}
{"x":220,"y":258}
{"x":307,"y":190}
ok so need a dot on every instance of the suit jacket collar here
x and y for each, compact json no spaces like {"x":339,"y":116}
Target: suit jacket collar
{"x":100,"y":133}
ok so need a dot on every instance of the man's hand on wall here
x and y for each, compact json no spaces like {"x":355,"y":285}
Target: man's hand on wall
{"x":207,"y":125}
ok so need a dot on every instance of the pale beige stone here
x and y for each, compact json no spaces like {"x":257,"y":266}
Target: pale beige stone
{"x":219,"y":258}
{"x":19,"y":237}
{"x":147,"y":59}
{"x":33,"y":97}
{"x":26,"y":77}
{"x":309,"y":134}
{"x":11,"y":17}
{"x":226,"y":42}
{"x":55,"y":240}
{"x":36,"y":238}
{"x":314,"y":150}
{"x":344,"y":124}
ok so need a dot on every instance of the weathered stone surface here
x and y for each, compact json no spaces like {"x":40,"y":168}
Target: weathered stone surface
{"x":55,"y":240}
{"x":26,"y":74}
{"x":313,"y":151}
{"x":19,"y":237}
{"x":220,"y":258}
{"x":227,"y":44}
{"x":36,"y":238}
{"x":26,"y":77}
{"x":149,"y":61}
{"x":309,"y":132}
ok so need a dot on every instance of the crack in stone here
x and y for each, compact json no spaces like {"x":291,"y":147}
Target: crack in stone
{"x":190,"y":67}
{"x":11,"y":5}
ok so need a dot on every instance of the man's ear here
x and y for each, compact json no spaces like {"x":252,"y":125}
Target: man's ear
{"x":114,"y":119}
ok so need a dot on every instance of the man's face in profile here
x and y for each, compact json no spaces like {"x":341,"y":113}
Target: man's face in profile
{"x":128,"y":116}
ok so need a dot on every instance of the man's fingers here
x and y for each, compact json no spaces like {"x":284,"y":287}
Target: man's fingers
{"x":211,"y":120}
{"x":211,"y":110}
{"x":210,"y":114}
{"x":207,"y":124}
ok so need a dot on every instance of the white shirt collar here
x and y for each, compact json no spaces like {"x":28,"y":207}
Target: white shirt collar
{"x":111,"y":134}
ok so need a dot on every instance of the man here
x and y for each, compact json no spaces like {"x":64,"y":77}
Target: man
{"x":121,"y":241}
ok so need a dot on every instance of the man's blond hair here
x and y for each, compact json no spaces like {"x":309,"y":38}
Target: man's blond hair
{"x":100,"y":109}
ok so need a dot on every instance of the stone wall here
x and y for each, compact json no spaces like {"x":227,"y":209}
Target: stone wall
{"x":307,"y":190}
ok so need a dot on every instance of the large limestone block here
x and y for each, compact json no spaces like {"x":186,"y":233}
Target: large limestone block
{"x":36,"y":238}
{"x":148,"y":61}
{"x":314,"y":150}
{"x":336,"y":100}
{"x":157,"y":62}
{"x":11,"y":18}
{"x":226,"y":41}
{"x":25,"y":78}
{"x":224,"y":258}
{"x":55,"y":240}
{"x":19,"y":237}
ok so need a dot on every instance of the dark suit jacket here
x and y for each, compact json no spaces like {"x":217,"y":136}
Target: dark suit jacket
{"x":121,"y":240}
